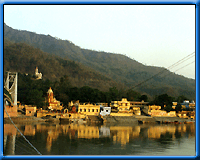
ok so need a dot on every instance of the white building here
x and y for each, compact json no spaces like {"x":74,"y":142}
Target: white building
{"x":37,"y":74}
{"x":105,"y":111}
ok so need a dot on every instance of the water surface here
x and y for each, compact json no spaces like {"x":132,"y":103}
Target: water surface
{"x":75,"y":139}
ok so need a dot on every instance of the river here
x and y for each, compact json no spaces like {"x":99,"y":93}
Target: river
{"x":79,"y":139}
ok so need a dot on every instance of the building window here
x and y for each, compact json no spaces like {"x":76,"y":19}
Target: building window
{"x":80,"y":110}
{"x":92,"y":110}
{"x":97,"y":110}
{"x":88,"y":110}
{"x":106,"y":110}
{"x":84,"y":110}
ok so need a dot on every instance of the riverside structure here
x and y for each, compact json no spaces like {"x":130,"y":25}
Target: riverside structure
{"x":118,"y":112}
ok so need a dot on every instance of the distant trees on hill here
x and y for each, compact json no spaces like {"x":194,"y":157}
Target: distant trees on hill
{"x":20,"y":57}
{"x":34,"y":92}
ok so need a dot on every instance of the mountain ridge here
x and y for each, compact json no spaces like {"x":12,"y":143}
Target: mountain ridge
{"x":118,"y":67}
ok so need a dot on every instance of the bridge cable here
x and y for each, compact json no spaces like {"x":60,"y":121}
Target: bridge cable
{"x":21,"y":133}
{"x":173,"y":65}
{"x":180,"y":68}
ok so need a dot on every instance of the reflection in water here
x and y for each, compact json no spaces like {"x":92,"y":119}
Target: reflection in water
{"x":88,"y":132}
{"x":156,"y":131}
{"x":121,"y":134}
{"x":9,"y":139}
{"x":59,"y":139}
{"x":104,"y":132}
{"x":29,"y":130}
{"x":10,"y":145}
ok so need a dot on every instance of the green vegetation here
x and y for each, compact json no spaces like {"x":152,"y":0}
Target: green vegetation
{"x":165,"y":101}
{"x":20,"y":57}
{"x":34,"y":92}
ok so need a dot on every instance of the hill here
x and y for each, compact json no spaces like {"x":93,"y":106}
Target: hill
{"x":117,"y":67}
{"x":23,"y":58}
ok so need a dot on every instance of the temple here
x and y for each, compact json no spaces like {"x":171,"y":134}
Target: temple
{"x":53,"y":104}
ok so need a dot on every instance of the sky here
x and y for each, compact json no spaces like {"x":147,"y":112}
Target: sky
{"x":154,"y":35}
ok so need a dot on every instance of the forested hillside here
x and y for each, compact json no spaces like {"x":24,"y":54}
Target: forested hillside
{"x":20,"y":57}
{"x":115,"y":69}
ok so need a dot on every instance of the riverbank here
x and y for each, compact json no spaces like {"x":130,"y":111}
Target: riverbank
{"x":145,"y":119}
{"x":103,"y":120}
{"x":22,"y":119}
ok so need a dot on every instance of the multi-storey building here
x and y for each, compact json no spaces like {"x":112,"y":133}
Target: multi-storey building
{"x":127,"y":106}
{"x":89,"y":109}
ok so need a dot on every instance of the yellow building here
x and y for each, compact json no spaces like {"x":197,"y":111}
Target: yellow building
{"x":138,"y":104}
{"x":73,"y":103}
{"x":186,"y":114}
{"x":162,"y":113}
{"x":89,"y":109}
{"x":155,"y":111}
{"x":192,"y":115}
{"x":192,"y":105}
{"x":30,"y":110}
{"x":125,"y":106}
{"x":53,"y":103}
{"x":154,"y":107}
{"x":136,"y":111}
{"x":121,"y":106}
{"x":174,"y":104}
{"x":103,"y":104}
{"x":11,"y":111}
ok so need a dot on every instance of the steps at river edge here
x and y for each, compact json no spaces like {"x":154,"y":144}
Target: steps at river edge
{"x":120,"y":119}
{"x":94,"y":119}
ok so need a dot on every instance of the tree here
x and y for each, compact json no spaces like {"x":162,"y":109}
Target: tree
{"x":35,"y":97}
{"x":74,"y":94}
{"x":114,"y":93}
{"x":64,"y":98}
{"x":168,"y":108}
{"x":133,"y":95}
{"x":163,"y":100}
{"x":86,"y":94}
{"x":144,"y":98}
{"x":178,"y":108}
{"x":181,"y":98}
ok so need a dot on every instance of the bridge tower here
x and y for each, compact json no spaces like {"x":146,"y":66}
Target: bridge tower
{"x":11,"y":85}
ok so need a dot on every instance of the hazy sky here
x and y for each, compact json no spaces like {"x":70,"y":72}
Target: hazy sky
{"x":155,"y":35}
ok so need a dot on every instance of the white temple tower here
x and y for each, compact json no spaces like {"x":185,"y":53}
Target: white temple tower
{"x":37,"y":74}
